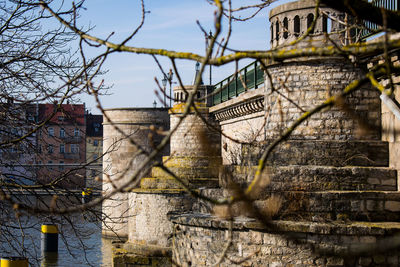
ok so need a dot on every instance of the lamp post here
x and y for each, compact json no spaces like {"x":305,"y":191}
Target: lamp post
{"x":154,"y":104}
{"x":164,"y":83}
{"x":168,"y":78}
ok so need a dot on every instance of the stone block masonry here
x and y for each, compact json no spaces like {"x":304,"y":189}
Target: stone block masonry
{"x":331,"y":176}
{"x":308,"y":83}
{"x":194,"y":157}
{"x":121,"y":158}
{"x":199,"y":241}
{"x":336,"y":200}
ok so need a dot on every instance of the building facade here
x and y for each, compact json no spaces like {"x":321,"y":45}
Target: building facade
{"x":94,"y":150}
{"x":18,"y":143}
{"x":61,"y":144}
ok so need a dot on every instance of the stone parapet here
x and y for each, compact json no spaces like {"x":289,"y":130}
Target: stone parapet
{"x":199,"y":239}
{"x":314,"y":178}
{"x":291,"y":21}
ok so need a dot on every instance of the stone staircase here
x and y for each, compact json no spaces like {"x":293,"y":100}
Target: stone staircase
{"x":340,"y":207}
{"x":329,"y":180}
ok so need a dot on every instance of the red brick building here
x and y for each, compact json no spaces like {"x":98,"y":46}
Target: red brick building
{"x":61,"y":145}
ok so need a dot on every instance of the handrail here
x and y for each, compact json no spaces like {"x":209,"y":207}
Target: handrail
{"x":371,"y":27}
{"x":252,"y":75}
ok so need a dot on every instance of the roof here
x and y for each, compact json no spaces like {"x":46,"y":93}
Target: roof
{"x":65,"y":114}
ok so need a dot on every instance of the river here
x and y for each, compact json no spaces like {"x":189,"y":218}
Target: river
{"x":80,"y":241}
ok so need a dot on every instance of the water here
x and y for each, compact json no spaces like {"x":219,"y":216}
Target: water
{"x":80,"y":242}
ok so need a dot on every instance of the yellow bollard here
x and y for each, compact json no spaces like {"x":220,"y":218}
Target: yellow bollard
{"x":49,"y":238}
{"x":14,"y":262}
{"x":86,"y":195}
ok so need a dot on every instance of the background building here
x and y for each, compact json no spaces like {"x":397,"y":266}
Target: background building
{"x":61,"y":154}
{"x":94,"y":150}
{"x":17,"y":159}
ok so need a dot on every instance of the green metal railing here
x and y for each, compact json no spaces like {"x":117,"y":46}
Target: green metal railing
{"x":252,"y":75}
{"x":372,"y":27}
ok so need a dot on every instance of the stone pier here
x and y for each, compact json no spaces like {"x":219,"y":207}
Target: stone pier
{"x":195,"y":160}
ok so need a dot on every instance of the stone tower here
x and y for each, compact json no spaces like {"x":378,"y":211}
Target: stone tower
{"x":194,"y":159}
{"x":121,"y":158}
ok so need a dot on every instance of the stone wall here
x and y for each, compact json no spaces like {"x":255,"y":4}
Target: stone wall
{"x":305,"y":84}
{"x":194,"y":137}
{"x":200,"y":240}
{"x":147,"y":222}
{"x":121,"y":159}
{"x":242,"y":119}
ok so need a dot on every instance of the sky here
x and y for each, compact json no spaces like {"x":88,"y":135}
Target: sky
{"x":171,"y":25}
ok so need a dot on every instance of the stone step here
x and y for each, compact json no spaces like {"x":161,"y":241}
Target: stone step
{"x":340,"y":205}
{"x":322,"y":152}
{"x":317,"y":178}
{"x":187,"y":172}
{"x":171,"y":183}
{"x":179,"y":161}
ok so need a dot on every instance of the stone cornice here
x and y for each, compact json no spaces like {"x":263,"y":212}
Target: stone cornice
{"x":246,"y":107}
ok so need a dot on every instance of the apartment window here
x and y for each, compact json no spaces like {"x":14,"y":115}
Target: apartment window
{"x":50,"y":131}
{"x":95,"y":157}
{"x":50,"y":162}
{"x":74,"y":148}
{"x":95,"y":142}
{"x":96,"y":127}
{"x":50,"y":149}
{"x":62,"y":133}
{"x":76,"y":132}
{"x":93,"y":173}
{"x":62,"y":148}
{"x":61,"y":166}
{"x":61,"y":118}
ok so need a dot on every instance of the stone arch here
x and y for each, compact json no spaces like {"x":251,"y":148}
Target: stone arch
{"x":310,"y":19}
{"x":272,"y":32}
{"x":285,"y":28}
{"x":296,"y":25}
{"x":324,"y":23}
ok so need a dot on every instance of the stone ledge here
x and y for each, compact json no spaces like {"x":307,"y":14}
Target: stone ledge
{"x":315,"y":178}
{"x":171,"y":183}
{"x":185,"y":172}
{"x":159,"y":191}
{"x":249,"y":106}
{"x":322,"y":152}
{"x":245,"y":223}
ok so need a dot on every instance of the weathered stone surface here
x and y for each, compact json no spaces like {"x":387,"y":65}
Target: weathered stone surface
{"x":315,"y":178}
{"x":285,"y":243}
{"x":321,"y":152}
{"x":120,"y":159}
{"x":148,"y":217}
